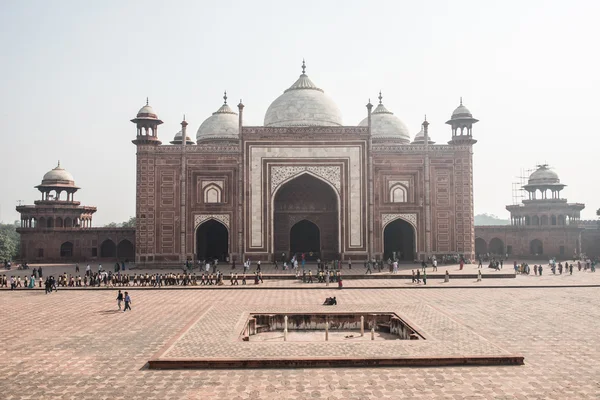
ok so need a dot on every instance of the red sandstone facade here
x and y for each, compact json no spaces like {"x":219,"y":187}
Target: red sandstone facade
{"x":58,"y":229}
{"x":328,"y":191}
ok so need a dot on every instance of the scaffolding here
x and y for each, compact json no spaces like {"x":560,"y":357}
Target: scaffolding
{"x":518,"y":193}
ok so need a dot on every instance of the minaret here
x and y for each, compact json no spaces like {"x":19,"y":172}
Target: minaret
{"x":183,"y":192}
{"x":147,"y":141}
{"x":370,"y":187}
{"x":427,"y":187}
{"x":462,"y":140}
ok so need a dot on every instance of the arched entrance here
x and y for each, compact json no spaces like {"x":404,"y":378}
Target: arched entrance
{"x":536,"y":247}
{"x":480,"y":246}
{"x":125,"y":250}
{"x":66,"y":250}
{"x":496,"y":246}
{"x":305,"y":237}
{"x":108,"y":249}
{"x":212,"y":241}
{"x":399,"y":240}
{"x":306,"y":208}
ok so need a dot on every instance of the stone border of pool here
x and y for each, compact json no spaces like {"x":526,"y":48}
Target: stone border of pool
{"x":211,"y":341}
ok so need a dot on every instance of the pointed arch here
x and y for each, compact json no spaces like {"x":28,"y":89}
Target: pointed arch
{"x":405,"y":218}
{"x":66,"y":250}
{"x":212,"y":240}
{"x":125,"y":250}
{"x":480,"y":246}
{"x":108,"y":249}
{"x":284,"y":183}
{"x":398,"y":193}
{"x":212,"y":193}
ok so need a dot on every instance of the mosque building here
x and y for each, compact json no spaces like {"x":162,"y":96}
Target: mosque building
{"x":303,"y":182}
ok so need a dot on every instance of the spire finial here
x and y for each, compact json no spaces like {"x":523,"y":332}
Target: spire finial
{"x":425,"y":117}
{"x":58,"y":166}
{"x":225,"y":96}
{"x":146,"y":100}
{"x":303,"y":67}
{"x":461,"y":100}
{"x":184,"y":117}
{"x":380,"y":96}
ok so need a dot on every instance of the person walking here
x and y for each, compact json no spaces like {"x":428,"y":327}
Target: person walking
{"x":119,"y":299}
{"x":479,"y":276}
{"x":435,"y":264}
{"x":127,"y":302}
{"x":424,"y":277}
{"x":418,"y":276}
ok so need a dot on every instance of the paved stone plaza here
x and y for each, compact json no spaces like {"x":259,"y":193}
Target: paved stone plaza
{"x":75,"y":345}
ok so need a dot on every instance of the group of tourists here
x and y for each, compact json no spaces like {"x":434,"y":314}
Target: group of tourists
{"x":322,"y":276}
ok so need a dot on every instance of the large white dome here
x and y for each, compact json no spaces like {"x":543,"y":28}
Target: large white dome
{"x":222,"y":124}
{"x":303,"y":104}
{"x":385,"y":125}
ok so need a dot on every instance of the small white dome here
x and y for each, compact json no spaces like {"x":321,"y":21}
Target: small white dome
{"x":543,"y":175}
{"x":461,"y":112}
{"x":147,"y":112}
{"x":303,"y":104}
{"x":420,"y":138}
{"x":177,"y":139}
{"x":57,"y":174}
{"x":384,"y":124}
{"x":222,"y":124}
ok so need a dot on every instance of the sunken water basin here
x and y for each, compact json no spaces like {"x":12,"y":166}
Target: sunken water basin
{"x":333,"y":327}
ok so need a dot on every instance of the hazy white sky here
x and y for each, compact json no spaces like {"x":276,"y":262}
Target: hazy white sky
{"x":73,"y":73}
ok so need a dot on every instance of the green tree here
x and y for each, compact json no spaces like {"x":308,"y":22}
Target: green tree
{"x":130,"y":223}
{"x":9,"y":241}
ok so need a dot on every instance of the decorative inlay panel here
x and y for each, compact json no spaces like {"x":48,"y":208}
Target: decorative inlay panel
{"x":392,"y":183}
{"x":200,"y":218}
{"x":331,"y":174}
{"x":218,"y":183}
{"x":387,"y":218}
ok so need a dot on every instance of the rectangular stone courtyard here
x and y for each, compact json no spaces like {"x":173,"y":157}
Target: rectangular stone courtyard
{"x":75,"y":345}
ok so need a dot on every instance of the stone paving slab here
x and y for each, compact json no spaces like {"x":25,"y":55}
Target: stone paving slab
{"x":74,"y":345}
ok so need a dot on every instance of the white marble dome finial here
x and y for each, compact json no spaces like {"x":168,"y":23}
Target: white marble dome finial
{"x":303,"y":67}
{"x":380,"y":97}
{"x":225,"y":97}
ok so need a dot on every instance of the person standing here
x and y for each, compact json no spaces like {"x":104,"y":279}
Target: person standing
{"x":414,"y":279}
{"x":418,"y":276}
{"x":349,"y":263}
{"x":127,"y":302}
{"x":540,"y":269}
{"x":76,"y":268}
{"x":119,"y":299}
{"x":462,"y":263}
{"x":478,"y":275}
{"x":40,"y":272}
{"x":435,"y":264}
{"x":425,"y":277}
